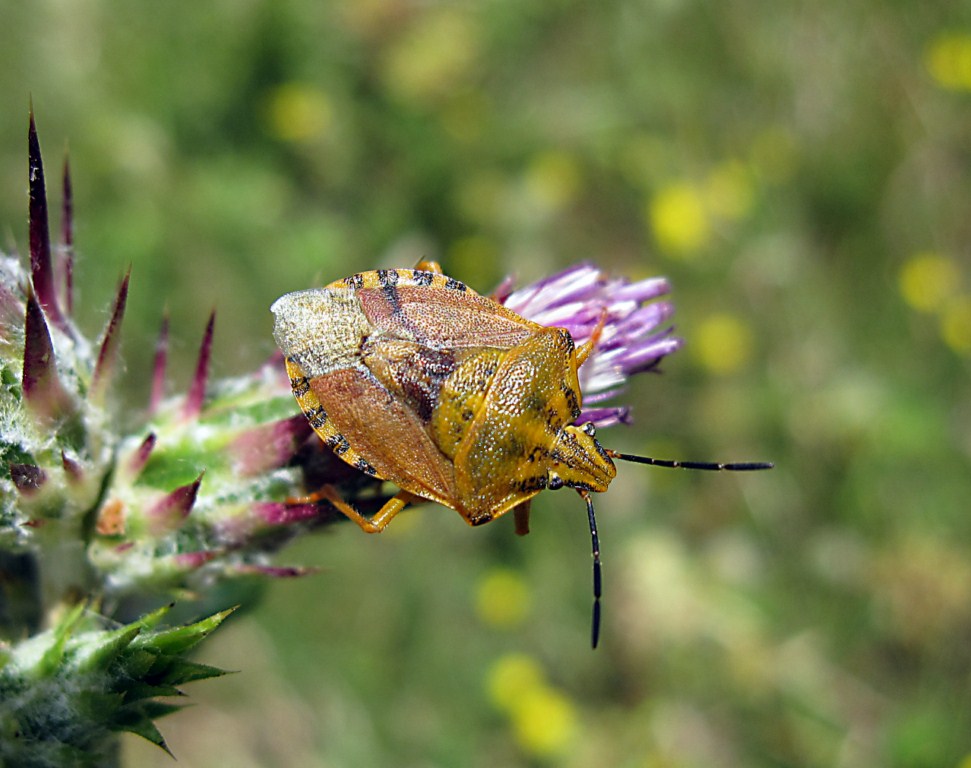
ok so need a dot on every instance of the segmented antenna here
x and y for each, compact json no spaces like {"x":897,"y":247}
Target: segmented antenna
{"x":715,"y":466}
{"x":597,"y":577}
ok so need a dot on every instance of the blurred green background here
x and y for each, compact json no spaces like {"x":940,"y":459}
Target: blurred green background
{"x":801,"y":173}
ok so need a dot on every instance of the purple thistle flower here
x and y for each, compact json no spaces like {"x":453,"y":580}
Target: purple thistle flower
{"x":634,"y":336}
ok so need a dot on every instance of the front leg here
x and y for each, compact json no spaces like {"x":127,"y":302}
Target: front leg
{"x":521,"y":514}
{"x":429,"y":266}
{"x":379,"y":521}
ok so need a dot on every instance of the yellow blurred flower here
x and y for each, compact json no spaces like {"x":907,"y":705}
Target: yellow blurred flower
{"x":297,"y":112}
{"x":927,"y":280}
{"x":722,"y":343}
{"x":544,"y":720}
{"x":948,"y":59}
{"x":503,"y":598}
{"x":553,"y":179}
{"x":956,"y":324}
{"x":510,"y":677}
{"x":679,"y":220}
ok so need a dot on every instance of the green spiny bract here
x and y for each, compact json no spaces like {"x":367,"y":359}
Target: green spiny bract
{"x":206,"y":489}
{"x":68,"y":691}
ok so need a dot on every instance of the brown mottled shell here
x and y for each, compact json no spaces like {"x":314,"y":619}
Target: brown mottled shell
{"x":412,"y":377}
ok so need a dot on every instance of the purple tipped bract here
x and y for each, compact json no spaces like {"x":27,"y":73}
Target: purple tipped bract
{"x":108,"y":352}
{"x":168,"y":512}
{"x":635,"y":335}
{"x":197,"y":390}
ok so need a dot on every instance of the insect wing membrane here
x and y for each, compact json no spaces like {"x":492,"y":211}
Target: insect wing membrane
{"x":322,"y":333}
{"x":444,"y":319}
{"x":384,"y":432}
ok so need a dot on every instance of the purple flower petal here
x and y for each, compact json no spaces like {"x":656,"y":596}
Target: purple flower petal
{"x":605,"y":417}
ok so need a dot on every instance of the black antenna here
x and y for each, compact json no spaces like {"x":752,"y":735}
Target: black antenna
{"x":715,"y":466}
{"x":597,"y":578}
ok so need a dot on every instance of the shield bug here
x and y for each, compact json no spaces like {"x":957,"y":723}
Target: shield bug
{"x":413,"y":378}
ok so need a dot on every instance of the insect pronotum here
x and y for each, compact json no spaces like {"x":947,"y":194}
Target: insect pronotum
{"x":413,"y":378}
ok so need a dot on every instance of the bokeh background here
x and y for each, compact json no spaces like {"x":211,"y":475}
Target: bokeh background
{"x":800,"y":171}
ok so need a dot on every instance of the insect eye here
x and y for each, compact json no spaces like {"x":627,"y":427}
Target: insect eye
{"x":589,"y":429}
{"x":554,"y":482}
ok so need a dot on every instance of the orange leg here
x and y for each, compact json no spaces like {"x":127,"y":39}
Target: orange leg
{"x":429,"y":266}
{"x":521,"y":513}
{"x":584,"y":350}
{"x":378,"y":522}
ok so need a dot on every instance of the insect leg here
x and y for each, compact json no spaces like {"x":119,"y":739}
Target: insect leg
{"x":521,"y":513}
{"x":429,"y":266}
{"x":584,"y":350}
{"x":379,"y":521}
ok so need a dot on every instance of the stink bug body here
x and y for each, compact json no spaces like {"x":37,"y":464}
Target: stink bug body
{"x":413,"y":378}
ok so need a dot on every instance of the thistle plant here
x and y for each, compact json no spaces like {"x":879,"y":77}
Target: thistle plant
{"x":96,"y":523}
{"x":102,"y":529}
